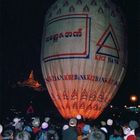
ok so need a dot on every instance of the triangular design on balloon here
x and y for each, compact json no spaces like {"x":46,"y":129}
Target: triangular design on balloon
{"x":66,"y":3}
{"x":30,"y":109}
{"x":55,"y":7}
{"x":58,"y":12}
{"x":82,"y":105}
{"x":93,"y":2}
{"x":79,"y":2}
{"x":100,"y":10}
{"x":113,"y":14}
{"x":74,"y":95}
{"x":106,"y":5}
{"x":108,"y":44}
{"x":65,"y":95}
{"x":84,"y":94}
{"x":71,"y":9}
{"x":86,"y":9}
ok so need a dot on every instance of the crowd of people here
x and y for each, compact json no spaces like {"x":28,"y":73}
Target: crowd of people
{"x":35,"y":128}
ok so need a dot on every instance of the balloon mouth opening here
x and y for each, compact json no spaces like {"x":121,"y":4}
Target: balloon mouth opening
{"x":82,"y":117}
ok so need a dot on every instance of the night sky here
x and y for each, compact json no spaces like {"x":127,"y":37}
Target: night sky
{"x":22,"y":27}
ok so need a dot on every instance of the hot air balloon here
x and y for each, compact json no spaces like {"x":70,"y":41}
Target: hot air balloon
{"x":83,"y":55}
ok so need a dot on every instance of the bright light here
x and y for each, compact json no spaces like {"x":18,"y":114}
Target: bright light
{"x":125,"y":106}
{"x":111,"y":106}
{"x":133,"y":98}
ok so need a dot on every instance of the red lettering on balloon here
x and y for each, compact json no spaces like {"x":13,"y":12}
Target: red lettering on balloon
{"x":84,"y":95}
{"x":74,"y":95}
{"x":100,"y":57}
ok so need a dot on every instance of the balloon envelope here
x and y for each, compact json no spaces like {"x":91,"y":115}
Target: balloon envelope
{"x":83,"y":55}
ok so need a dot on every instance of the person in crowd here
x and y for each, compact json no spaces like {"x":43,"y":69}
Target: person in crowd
{"x":97,"y":134}
{"x":23,"y":135}
{"x":80,"y":125}
{"x":47,"y":119}
{"x":86,"y":130}
{"x":28,"y":127}
{"x":65,"y":132}
{"x":133,"y":124}
{"x":7,"y":134}
{"x":137,"y":133}
{"x":103,"y":124}
{"x":71,"y":132}
{"x":52,"y":131}
{"x":104,"y":130}
{"x":16,"y":124}
{"x":52,"y":135}
{"x":35,"y":126}
{"x":109,"y":126}
{"x":20,"y":133}
{"x":28,"y":130}
{"x":42,"y":135}
{"x":1,"y":128}
{"x":117,"y":133}
{"x":129,"y":134}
